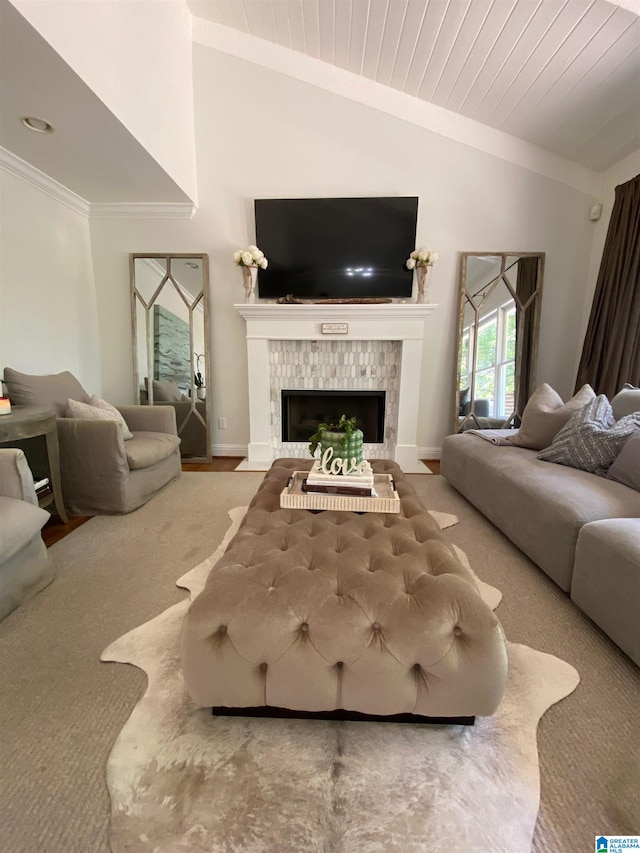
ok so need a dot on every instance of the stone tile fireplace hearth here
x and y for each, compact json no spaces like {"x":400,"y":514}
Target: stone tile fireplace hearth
{"x":378,"y":350}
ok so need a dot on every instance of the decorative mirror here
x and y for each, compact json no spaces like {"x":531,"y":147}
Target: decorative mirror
{"x":499,"y":319}
{"x":170,"y":319}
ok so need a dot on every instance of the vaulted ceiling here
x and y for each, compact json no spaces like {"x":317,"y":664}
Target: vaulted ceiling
{"x":562,"y":74}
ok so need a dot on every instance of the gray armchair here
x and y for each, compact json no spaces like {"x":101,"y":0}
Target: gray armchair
{"x":25,"y":568}
{"x":101,"y":472}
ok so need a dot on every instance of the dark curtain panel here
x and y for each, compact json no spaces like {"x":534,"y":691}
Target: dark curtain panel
{"x":526,"y":284}
{"x":611,"y":351}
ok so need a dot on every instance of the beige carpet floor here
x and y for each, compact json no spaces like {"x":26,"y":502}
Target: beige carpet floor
{"x":182,"y":779}
{"x":61,"y":709}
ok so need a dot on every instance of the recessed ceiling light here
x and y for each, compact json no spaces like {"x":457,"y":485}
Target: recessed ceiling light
{"x":191,"y":265}
{"x":39,"y":125}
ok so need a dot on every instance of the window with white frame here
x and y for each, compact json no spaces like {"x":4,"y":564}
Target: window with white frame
{"x":495,"y":359}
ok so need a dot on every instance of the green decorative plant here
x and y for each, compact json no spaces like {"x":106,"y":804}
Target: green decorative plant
{"x":344,"y":425}
{"x":197,"y":377}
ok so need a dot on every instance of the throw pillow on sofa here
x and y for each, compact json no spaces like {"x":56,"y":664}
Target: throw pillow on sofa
{"x":626,"y":401}
{"x":164,"y":391}
{"x":109,"y":407}
{"x":626,"y":467}
{"x":545,"y":414}
{"x":51,"y":391}
{"x":103,"y":411}
{"x":592,"y":439}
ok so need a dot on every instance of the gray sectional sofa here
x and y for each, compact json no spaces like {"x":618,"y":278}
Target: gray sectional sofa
{"x":581,"y":529}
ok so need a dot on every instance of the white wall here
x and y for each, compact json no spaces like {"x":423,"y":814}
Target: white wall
{"x":136,"y":56}
{"x":112,"y":240}
{"x":261,"y":134}
{"x":48,"y":321}
{"x":622,"y":172}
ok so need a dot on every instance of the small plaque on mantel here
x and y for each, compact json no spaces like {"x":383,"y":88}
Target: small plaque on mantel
{"x":335,"y":328}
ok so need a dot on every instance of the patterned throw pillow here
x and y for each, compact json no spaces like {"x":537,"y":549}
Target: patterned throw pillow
{"x":592,"y":439}
{"x":76,"y":409}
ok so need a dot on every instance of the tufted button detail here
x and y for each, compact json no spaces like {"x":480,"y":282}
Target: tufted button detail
{"x":271,"y":553}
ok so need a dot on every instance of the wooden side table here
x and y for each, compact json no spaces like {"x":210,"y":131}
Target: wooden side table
{"x":29,"y":422}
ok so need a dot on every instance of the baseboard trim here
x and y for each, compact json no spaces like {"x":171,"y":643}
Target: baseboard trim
{"x":429,"y":452}
{"x":228,"y":449}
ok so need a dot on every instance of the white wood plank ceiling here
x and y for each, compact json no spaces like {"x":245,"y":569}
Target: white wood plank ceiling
{"x":562,"y":74}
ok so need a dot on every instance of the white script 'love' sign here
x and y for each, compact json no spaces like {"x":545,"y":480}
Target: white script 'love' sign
{"x":328,"y":465}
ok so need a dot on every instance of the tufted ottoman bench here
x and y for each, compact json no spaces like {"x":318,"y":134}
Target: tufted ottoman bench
{"x":372,"y":613}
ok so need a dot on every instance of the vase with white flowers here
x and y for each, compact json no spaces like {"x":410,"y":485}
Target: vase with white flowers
{"x":249,"y":260}
{"x":421,"y":260}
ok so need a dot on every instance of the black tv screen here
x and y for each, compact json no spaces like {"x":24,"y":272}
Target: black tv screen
{"x":336,"y":247}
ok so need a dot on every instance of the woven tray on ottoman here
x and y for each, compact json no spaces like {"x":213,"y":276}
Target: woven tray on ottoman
{"x":318,"y":611}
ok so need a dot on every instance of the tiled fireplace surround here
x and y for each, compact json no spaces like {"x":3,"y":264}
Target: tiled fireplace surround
{"x":381,"y":350}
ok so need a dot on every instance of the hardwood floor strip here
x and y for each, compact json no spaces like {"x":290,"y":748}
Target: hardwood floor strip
{"x":55,"y":530}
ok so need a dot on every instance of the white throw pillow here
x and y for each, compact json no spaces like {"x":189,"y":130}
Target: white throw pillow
{"x":98,"y":410}
{"x":545,"y":414}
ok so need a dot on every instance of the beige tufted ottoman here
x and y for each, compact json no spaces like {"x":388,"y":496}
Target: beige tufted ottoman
{"x":371,"y":613}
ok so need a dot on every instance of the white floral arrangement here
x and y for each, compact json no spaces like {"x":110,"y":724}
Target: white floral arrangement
{"x":421,"y":258}
{"x":251,"y":257}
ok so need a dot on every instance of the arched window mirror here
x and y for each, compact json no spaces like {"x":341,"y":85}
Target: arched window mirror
{"x":498,"y":325}
{"x":170,"y":318}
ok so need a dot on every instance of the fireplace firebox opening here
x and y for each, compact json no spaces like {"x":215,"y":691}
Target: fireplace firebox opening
{"x":303,"y":411}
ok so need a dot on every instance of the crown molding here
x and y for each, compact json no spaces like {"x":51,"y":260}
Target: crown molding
{"x":370,"y":93}
{"x":19,"y":168}
{"x":143,"y":210}
{"x":14,"y":165}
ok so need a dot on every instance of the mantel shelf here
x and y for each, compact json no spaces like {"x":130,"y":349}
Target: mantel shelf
{"x":315,"y":311}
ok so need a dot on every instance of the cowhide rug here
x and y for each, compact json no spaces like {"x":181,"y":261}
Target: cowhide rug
{"x":181,"y":779}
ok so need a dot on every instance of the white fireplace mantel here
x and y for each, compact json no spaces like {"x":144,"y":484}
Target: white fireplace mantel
{"x":403,"y":322}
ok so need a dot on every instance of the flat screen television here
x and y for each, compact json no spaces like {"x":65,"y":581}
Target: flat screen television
{"x":336,"y":247}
